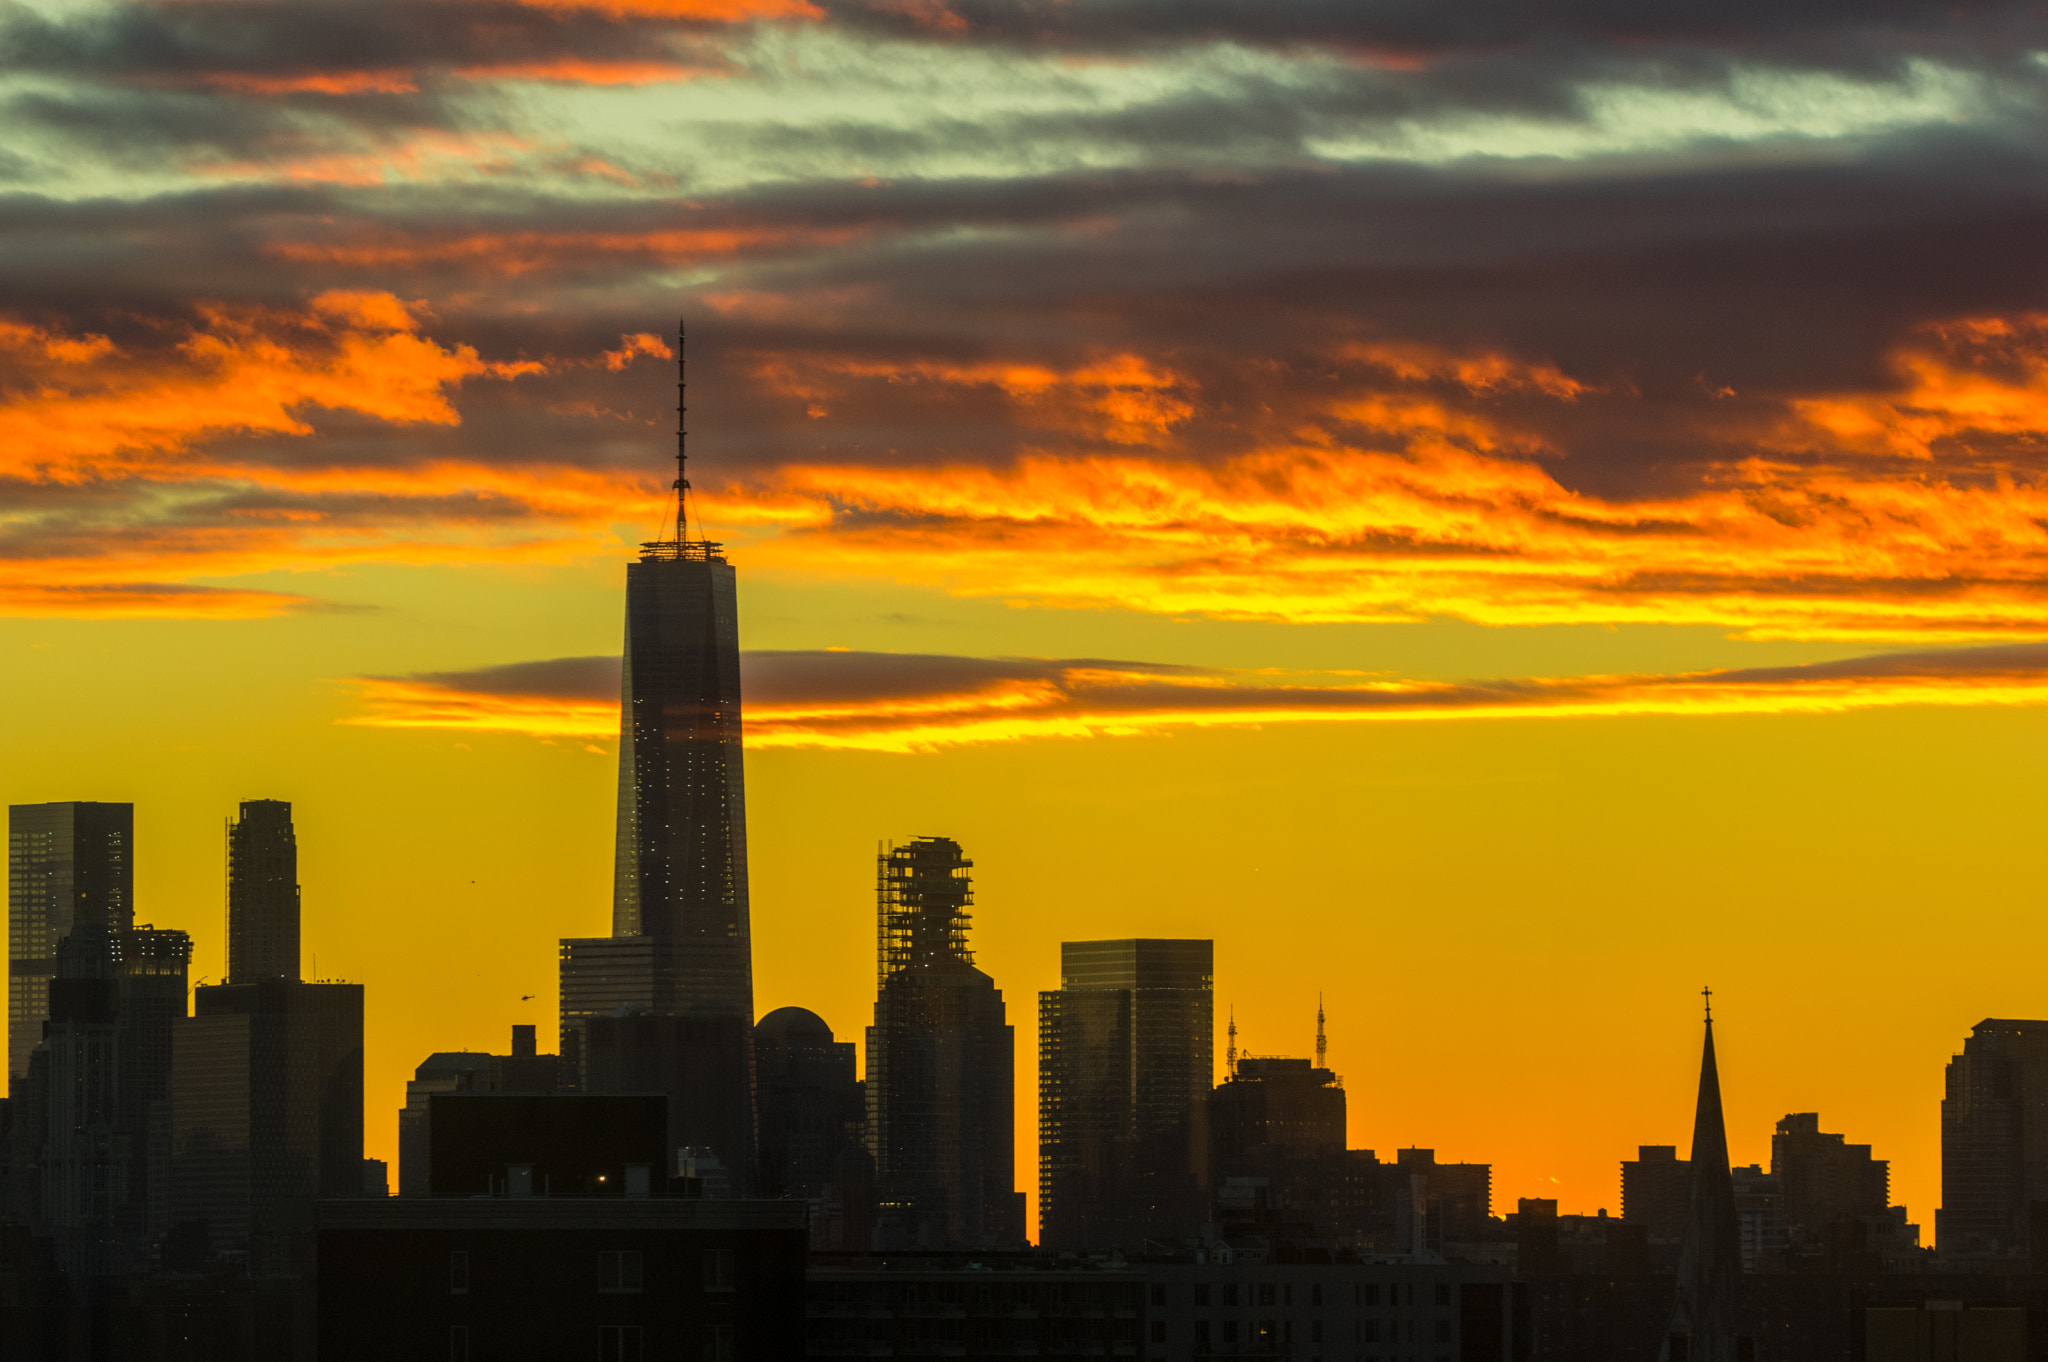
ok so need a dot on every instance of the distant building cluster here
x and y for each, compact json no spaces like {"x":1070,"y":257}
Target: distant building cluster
{"x":182,"y":1170}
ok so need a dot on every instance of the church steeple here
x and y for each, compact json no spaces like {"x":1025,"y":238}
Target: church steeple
{"x":1706,"y":1317}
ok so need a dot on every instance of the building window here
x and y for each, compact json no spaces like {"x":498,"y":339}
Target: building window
{"x":1443,"y":1294}
{"x":1287,"y":1295}
{"x":1201,"y":1334}
{"x":1315,"y":1293}
{"x":1265,"y":1293}
{"x":458,"y":1273}
{"x":618,"y":1343}
{"x":1159,"y":1331}
{"x":1202,"y":1295}
{"x":1230,"y":1331}
{"x":1159,"y":1293}
{"x":718,"y":1269}
{"x":718,"y":1343}
{"x":1315,"y":1331}
{"x":1443,"y":1331}
{"x":618,"y":1273}
{"x":458,"y":1343}
{"x":1372,"y":1331}
{"x":1372,"y":1294}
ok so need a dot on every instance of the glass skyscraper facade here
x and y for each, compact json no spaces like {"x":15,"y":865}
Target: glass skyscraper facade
{"x":666,"y":1002}
{"x":1125,"y":1048}
{"x":67,"y":863}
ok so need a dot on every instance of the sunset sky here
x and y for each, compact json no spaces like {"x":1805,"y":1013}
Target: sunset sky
{"x":1498,"y":524}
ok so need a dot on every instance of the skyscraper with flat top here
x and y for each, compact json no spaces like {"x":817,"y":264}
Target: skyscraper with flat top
{"x":263,"y":893}
{"x":1125,"y":1058}
{"x":67,"y":864}
{"x":1994,"y":1140}
{"x":668,"y":998}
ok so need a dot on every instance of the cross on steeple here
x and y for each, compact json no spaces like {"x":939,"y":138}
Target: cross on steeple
{"x":1708,"y":994}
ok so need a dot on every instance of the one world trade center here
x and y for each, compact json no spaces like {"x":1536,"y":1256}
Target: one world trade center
{"x":665,"y":1003}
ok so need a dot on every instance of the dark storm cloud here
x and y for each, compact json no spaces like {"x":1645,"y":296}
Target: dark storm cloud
{"x":257,"y":38}
{"x":791,"y":677}
{"x":1420,"y":29}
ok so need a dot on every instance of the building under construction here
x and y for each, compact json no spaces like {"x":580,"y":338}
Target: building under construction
{"x":940,"y":1064}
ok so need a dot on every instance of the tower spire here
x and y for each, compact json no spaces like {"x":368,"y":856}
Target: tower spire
{"x":1322,"y":1040}
{"x":682,"y":488}
{"x":1230,"y":1054}
{"x":1707,"y":1315}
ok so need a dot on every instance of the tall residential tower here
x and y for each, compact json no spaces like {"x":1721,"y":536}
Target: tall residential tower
{"x":67,"y":864}
{"x":267,"y":1072}
{"x":666,"y":1002}
{"x":1125,"y":1060}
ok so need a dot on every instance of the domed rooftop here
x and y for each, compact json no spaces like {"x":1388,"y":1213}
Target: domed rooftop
{"x":793,"y":1023}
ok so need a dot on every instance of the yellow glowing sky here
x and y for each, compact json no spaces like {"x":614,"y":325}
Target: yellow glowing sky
{"x":1509,"y":918}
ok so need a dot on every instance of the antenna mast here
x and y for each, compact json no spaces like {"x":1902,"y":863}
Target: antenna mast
{"x":1322,"y":1041}
{"x":680,"y":547}
{"x":1230,"y":1055}
{"x":682,"y":451}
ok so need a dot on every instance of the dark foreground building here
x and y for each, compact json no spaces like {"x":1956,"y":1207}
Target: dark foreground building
{"x":541,"y":1279}
{"x":940,"y":1057}
{"x":1005,"y":1306}
{"x":1125,"y":1047}
{"x":666,"y":1002}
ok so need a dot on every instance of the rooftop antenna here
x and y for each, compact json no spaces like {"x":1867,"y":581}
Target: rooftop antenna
{"x":1230,"y":1055}
{"x":1322,"y":1041}
{"x":1708,"y":994}
{"x":682,"y":488}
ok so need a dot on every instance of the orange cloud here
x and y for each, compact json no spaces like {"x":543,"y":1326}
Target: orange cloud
{"x":517,"y":253}
{"x":383,"y":82}
{"x":1973,"y":388}
{"x":903,"y":703}
{"x":639,"y":343}
{"x":1122,"y":398}
{"x":412,"y":157}
{"x":1337,"y":534}
{"x":580,"y":71}
{"x":91,"y":412}
{"x":145,"y":430}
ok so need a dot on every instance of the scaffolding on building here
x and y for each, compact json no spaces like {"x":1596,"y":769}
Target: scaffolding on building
{"x":922,"y":894}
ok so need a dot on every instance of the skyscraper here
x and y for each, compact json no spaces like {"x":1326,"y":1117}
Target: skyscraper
{"x":66,"y":864}
{"x":1706,"y":1317}
{"x":1125,"y":1060}
{"x":266,"y":1080}
{"x":680,"y":949}
{"x":940,"y":1058}
{"x":1994,"y":1139}
{"x":263,"y":893}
